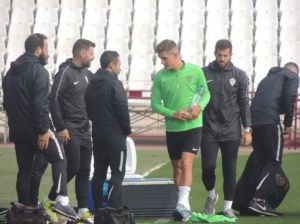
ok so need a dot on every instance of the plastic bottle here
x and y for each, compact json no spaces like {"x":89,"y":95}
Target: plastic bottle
{"x":198,"y":95}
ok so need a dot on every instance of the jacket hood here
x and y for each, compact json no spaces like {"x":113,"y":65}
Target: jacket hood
{"x":215,"y":66}
{"x":100,"y":77}
{"x":279,"y":71}
{"x":69,"y":62}
{"x":22,"y":60}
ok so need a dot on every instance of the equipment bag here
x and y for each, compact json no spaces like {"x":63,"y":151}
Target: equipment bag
{"x":109,"y":215}
{"x":22,"y":214}
{"x":276,"y":187}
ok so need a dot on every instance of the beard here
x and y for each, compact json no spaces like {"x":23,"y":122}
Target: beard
{"x":43,"y":59}
{"x":86,"y":64}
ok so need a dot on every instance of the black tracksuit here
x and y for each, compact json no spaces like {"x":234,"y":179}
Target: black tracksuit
{"x":107,"y":108}
{"x":227,"y":109}
{"x":25,"y":100}
{"x":68,"y":111}
{"x":275,"y":95}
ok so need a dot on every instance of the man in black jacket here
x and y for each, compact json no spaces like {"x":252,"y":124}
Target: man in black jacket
{"x":107,"y":108}
{"x":227,"y":108}
{"x":26,"y":91}
{"x":275,"y":95}
{"x":70,"y":119}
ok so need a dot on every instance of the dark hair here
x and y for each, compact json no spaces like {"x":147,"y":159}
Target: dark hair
{"x":165,"y":45}
{"x":223,"y":44}
{"x":34,"y":41}
{"x":81,"y":44}
{"x":292,"y":66}
{"x":108,"y":57}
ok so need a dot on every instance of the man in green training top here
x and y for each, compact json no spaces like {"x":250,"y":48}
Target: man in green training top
{"x":173,"y":91}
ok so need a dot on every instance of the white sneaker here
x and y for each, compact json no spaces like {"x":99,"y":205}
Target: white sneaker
{"x":210,"y":204}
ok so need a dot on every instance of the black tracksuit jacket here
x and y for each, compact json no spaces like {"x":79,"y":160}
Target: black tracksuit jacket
{"x":26,"y":91}
{"x":67,"y":103}
{"x":229,"y":103}
{"x":275,"y":95}
{"x":107,"y":107}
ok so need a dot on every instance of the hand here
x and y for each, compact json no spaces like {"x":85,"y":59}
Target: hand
{"x":43,"y":140}
{"x":194,"y":110}
{"x":64,"y":136}
{"x":182,"y":115}
{"x":247,"y":138}
{"x":287,"y":130}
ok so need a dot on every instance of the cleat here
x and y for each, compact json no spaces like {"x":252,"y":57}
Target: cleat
{"x":182,"y":214}
{"x":263,"y":208}
{"x":229,"y":214}
{"x":210,"y":204}
{"x":66,"y":210}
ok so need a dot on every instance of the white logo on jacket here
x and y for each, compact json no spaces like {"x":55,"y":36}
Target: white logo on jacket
{"x":75,"y":83}
{"x":232,"y":81}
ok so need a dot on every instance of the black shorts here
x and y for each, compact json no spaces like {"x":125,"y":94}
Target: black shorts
{"x":184,"y":141}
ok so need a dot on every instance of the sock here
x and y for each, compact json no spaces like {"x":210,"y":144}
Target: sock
{"x":212,"y":194}
{"x":82,"y":210}
{"x":64,"y":200}
{"x":183,"y":196}
{"x":227,"y":205}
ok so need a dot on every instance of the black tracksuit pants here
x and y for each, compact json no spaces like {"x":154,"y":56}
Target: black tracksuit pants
{"x":25,"y":154}
{"x":79,"y":153}
{"x":209,"y":153}
{"x":116,"y":160}
{"x":268,"y":147}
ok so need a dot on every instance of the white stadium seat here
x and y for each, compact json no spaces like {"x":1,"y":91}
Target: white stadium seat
{"x":23,"y":3}
{"x":47,"y":15}
{"x":190,"y":5}
{"x":71,"y":15}
{"x":144,"y":16}
{"x":26,"y":12}
{"x":47,"y":3}
{"x":71,"y":4}
{"x":144,"y":5}
{"x":21,"y":29}
{"x":287,"y":5}
{"x":167,"y":31}
{"x":91,"y":18}
{"x":266,"y":5}
{"x":117,"y":4}
{"x":213,"y":5}
{"x":241,"y":5}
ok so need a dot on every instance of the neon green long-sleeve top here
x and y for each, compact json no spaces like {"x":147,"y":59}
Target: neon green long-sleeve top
{"x":173,"y":90}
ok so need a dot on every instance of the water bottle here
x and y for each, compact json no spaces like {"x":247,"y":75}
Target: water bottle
{"x":198,"y":95}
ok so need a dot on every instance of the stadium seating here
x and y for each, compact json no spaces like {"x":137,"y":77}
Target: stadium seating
{"x":265,"y":30}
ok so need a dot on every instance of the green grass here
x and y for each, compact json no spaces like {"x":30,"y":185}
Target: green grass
{"x":147,"y":159}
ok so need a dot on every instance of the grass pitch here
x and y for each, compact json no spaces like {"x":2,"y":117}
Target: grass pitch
{"x":147,"y":159}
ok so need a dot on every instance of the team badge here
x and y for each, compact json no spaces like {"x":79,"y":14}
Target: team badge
{"x":232,"y":81}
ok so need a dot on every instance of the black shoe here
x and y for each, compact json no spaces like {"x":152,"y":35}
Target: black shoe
{"x":263,"y":208}
{"x":66,"y":210}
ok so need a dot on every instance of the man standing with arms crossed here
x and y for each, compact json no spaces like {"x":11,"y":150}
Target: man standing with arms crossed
{"x":228,"y":107}
{"x":70,"y":118}
{"x":172,"y":94}
{"x":25,"y":100}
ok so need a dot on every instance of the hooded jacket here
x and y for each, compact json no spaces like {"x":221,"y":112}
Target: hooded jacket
{"x":275,"y":95}
{"x":25,"y":98}
{"x":67,"y":103}
{"x":107,"y":107}
{"x":229,"y":103}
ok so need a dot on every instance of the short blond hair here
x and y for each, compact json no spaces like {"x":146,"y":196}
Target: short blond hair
{"x":166,"y":45}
